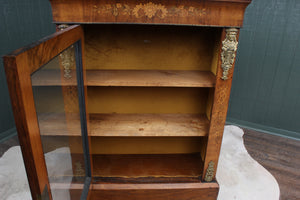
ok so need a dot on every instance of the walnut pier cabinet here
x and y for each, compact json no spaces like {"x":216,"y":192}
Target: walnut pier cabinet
{"x":127,"y":100}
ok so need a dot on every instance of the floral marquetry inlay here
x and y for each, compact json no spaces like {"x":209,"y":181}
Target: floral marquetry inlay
{"x":149,"y":10}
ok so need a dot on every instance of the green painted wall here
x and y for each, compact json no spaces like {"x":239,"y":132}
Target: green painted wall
{"x":266,"y":90}
{"x":266,"y":86}
{"x":21,"y":23}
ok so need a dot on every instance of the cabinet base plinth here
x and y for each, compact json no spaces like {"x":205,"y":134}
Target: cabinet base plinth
{"x":174,"y":191}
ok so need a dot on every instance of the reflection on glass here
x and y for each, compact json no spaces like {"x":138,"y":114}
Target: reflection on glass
{"x":57,"y":105}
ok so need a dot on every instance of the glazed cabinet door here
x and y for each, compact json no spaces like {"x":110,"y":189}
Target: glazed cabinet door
{"x":47,"y":87}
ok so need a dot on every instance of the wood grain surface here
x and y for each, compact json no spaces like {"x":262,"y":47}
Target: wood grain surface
{"x":280,"y":156}
{"x":218,"y":113}
{"x":151,"y":78}
{"x":126,"y":125}
{"x":149,"y":47}
{"x":131,"y":145}
{"x":147,"y":165}
{"x":143,"y":78}
{"x":149,"y":125}
{"x":208,"y":12}
{"x":175,"y":191}
{"x":140,"y":100}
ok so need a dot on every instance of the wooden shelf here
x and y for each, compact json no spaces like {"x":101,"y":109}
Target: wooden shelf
{"x":148,"y":125}
{"x":139,"y":168}
{"x":147,"y":165}
{"x":144,"y":167}
{"x":132,"y":78}
{"x":150,"y":78}
{"x":126,"y":125}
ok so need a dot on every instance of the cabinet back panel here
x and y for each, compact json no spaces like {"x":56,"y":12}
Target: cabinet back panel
{"x":149,"y":47}
{"x":145,"y":145}
{"x":146,"y":100}
{"x":145,"y":167}
{"x":130,"y":145}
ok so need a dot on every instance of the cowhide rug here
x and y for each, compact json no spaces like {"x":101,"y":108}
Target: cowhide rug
{"x":239,"y":175}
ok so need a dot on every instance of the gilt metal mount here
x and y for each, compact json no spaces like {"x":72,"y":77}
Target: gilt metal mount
{"x":67,"y":61}
{"x":62,"y":26}
{"x":67,"y":56}
{"x":229,"y":47}
{"x":210,"y":172}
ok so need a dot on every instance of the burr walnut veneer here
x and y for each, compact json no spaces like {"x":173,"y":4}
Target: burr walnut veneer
{"x":131,"y":96}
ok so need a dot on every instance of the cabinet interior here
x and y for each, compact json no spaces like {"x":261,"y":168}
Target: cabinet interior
{"x":149,"y":99}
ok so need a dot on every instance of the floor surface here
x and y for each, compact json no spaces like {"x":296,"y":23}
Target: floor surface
{"x":280,"y":156}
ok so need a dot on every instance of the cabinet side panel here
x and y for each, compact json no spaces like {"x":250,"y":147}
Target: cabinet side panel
{"x":219,"y":112}
{"x":209,"y":103}
{"x":215,"y":58}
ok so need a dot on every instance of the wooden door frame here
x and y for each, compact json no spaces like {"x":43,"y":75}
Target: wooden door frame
{"x":19,"y":65}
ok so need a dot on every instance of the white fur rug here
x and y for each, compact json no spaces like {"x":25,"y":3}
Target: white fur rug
{"x":240,"y":176}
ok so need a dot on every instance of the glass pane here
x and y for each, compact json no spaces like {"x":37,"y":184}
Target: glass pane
{"x":57,"y":105}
